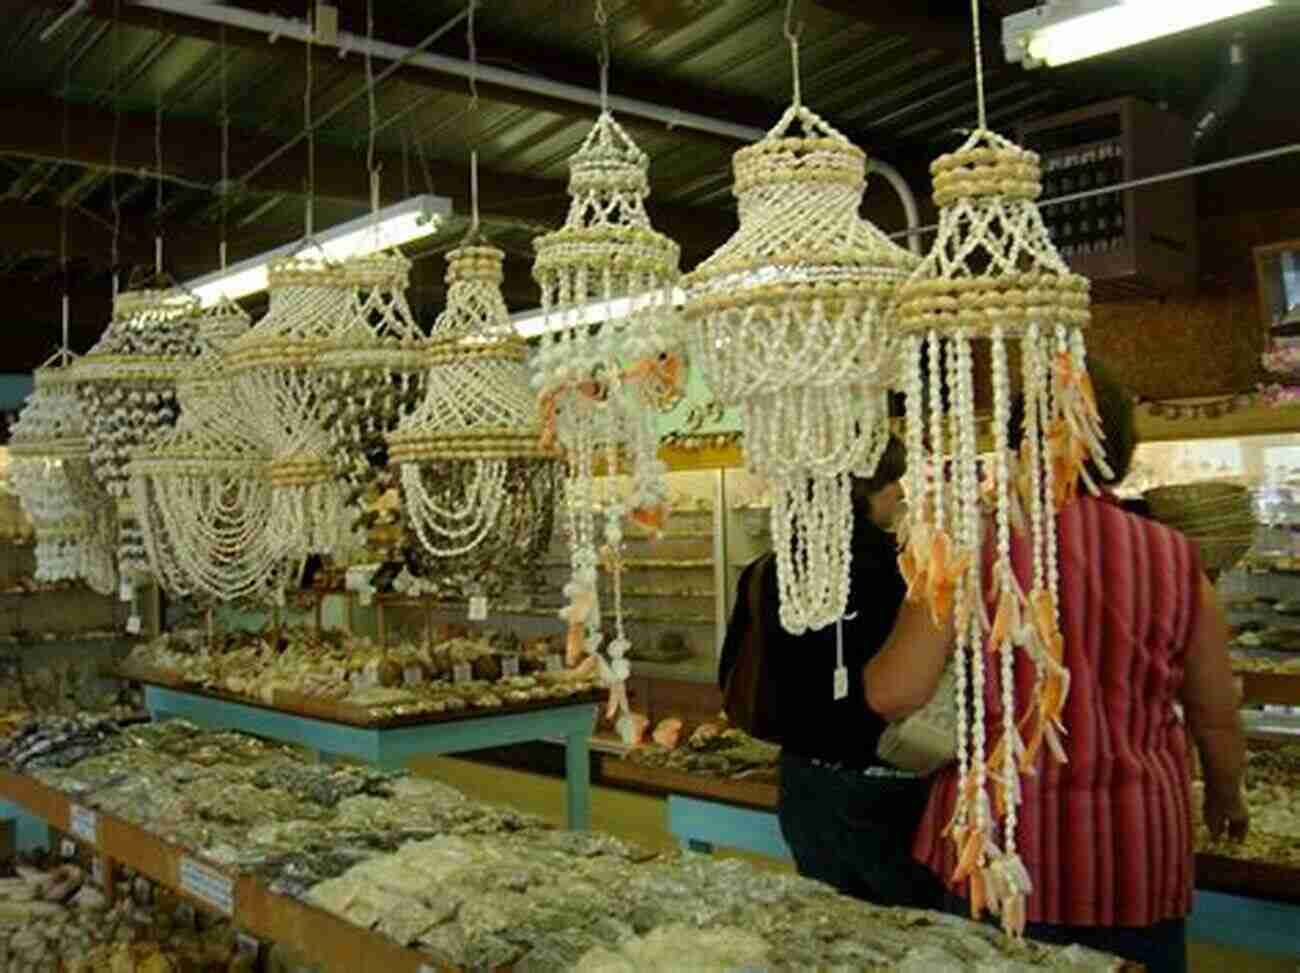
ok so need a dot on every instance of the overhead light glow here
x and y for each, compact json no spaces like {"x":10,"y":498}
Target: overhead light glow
{"x":530,"y":324}
{"x":1071,"y":30}
{"x":392,"y":226}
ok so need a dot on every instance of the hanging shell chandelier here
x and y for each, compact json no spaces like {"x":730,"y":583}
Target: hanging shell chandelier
{"x":329,"y":369}
{"x":128,"y":384}
{"x":601,"y":393}
{"x":50,"y":472}
{"x":994,"y":276}
{"x":203,"y":493}
{"x":787,"y":324}
{"x":477,"y":488}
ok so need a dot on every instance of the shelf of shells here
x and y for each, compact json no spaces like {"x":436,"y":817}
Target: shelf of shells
{"x":1263,"y":608}
{"x":1267,"y":863}
{"x":672,"y":590}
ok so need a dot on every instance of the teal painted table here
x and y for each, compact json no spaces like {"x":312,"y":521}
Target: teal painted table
{"x":31,"y":833}
{"x":700,"y":825}
{"x":391,"y":747}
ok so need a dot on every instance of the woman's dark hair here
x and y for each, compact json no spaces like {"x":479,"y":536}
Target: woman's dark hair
{"x":890,"y":469}
{"x":1118,"y":411}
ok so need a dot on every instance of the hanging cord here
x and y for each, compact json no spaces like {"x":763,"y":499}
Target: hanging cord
{"x":117,"y":135}
{"x":309,"y":213}
{"x":471,"y":126}
{"x":225,"y":149}
{"x":792,"y":32}
{"x":602,"y":55}
{"x":158,"y":176}
{"x":979,"y":63}
{"x":371,"y":165}
{"x":63,"y":215}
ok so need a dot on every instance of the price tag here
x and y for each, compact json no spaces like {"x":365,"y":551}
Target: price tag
{"x":127,"y":590}
{"x":554,"y":663}
{"x":84,"y":824}
{"x":246,"y":945}
{"x":462,"y":672}
{"x":841,"y":682}
{"x":509,"y":665}
{"x":208,"y":886}
{"x":68,"y":848}
{"x":412,"y":676}
{"x":133,"y":625}
{"x":478,"y":607}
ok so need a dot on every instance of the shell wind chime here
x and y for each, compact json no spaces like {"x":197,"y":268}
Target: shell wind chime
{"x":203,"y":492}
{"x":787,"y":324}
{"x":601,"y":394}
{"x":993,"y":276}
{"x":50,"y":472}
{"x":128,"y":384}
{"x":477,"y":487}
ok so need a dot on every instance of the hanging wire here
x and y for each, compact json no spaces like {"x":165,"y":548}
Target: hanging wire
{"x":63,"y":215}
{"x":158,"y":172}
{"x":792,"y":32}
{"x":117,"y":135}
{"x":471,"y":119}
{"x":371,"y":166}
{"x":602,"y":56}
{"x":979,"y":63}
{"x":310,"y":209}
{"x":225,"y":148}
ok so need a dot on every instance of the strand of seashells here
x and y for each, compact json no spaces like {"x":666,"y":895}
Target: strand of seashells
{"x":478,"y":489}
{"x":50,"y":472}
{"x":203,"y":493}
{"x":601,"y":390}
{"x":787,"y":324}
{"x":128,"y":384}
{"x":993,"y":276}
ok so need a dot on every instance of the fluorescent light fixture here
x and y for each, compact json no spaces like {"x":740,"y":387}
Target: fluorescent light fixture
{"x":392,"y":226}
{"x":1064,"y":31}
{"x":532,"y":323}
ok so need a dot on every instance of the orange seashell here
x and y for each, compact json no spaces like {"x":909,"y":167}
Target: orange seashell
{"x":913,"y":572}
{"x":617,"y":701}
{"x":1013,"y":916}
{"x":652,"y":518}
{"x":1006,"y":622}
{"x":972,"y":849}
{"x":978,"y":896}
{"x":575,"y":643}
{"x":1051,"y":700}
{"x":668,"y":733}
{"x":1033,"y":743}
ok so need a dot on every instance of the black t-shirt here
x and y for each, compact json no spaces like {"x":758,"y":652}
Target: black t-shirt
{"x":812,"y":722}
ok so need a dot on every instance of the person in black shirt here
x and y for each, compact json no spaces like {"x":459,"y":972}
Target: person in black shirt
{"x":848,"y":818}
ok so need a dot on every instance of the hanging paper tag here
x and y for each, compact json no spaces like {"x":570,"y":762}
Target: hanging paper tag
{"x":841,"y":682}
{"x":133,"y":625}
{"x":462,"y":672}
{"x":509,"y":666}
{"x":208,"y":886}
{"x":84,"y":824}
{"x":413,"y":676}
{"x":478,"y":608}
{"x":554,"y":663}
{"x":127,"y":591}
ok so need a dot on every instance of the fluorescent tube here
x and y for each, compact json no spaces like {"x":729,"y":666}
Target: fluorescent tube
{"x":1123,"y":24}
{"x":392,"y":226}
{"x":530,"y":324}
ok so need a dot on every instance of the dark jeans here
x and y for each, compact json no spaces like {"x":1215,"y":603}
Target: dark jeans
{"x":855,"y":832}
{"x":1161,"y":948}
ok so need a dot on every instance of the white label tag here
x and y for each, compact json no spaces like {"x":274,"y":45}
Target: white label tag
{"x":554,"y":663}
{"x":68,"y":847}
{"x":412,"y":676}
{"x":478,"y":608}
{"x":462,"y":672}
{"x":133,"y":625}
{"x":509,"y":666}
{"x":126,"y":592}
{"x":246,"y":945}
{"x":84,"y":824}
{"x":208,"y":886}
{"x":841,"y":682}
